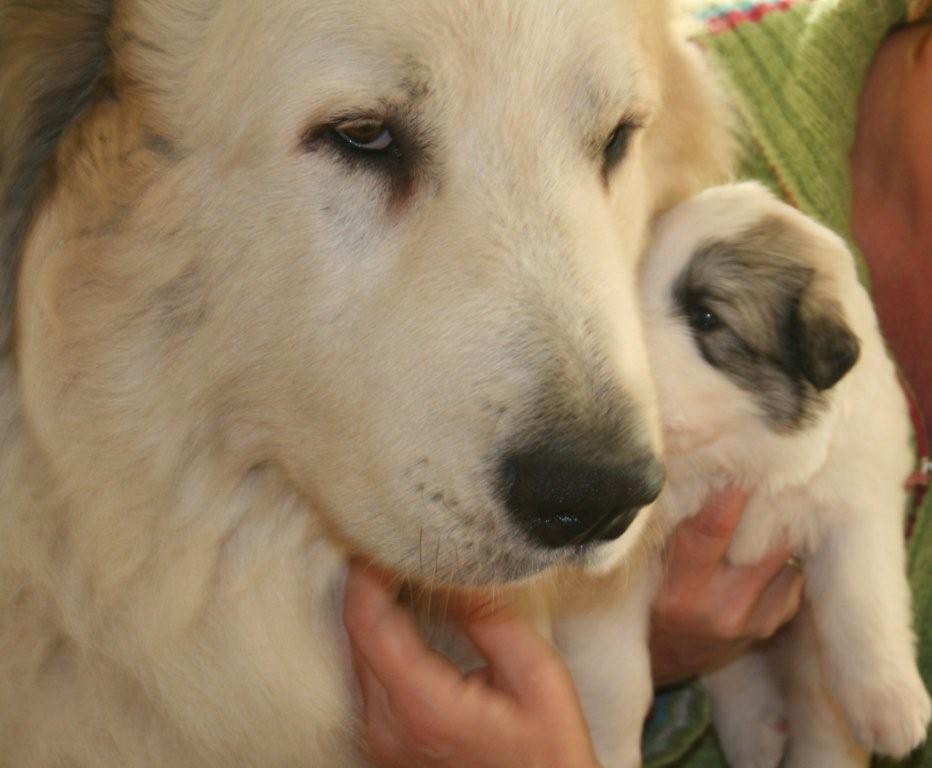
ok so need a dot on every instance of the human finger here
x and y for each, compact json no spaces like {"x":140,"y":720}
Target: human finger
{"x":381,"y":731}
{"x":548,"y":708}
{"x":420,"y":699}
{"x":520,"y":660}
{"x":734,"y":593}
{"x":779,"y":603}
{"x":699,"y":543}
{"x":375,"y":698}
{"x":746,"y":583}
{"x":385,"y":636}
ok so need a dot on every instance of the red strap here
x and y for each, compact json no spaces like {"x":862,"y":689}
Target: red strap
{"x":919,"y":480}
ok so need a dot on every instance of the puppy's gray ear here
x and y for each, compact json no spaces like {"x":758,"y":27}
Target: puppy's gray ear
{"x":52,"y":56}
{"x":827,"y":348}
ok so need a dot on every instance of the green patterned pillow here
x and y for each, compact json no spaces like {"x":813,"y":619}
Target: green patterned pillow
{"x":677,"y":720}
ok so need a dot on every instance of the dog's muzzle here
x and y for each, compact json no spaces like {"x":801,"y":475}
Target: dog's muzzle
{"x":561,"y":501}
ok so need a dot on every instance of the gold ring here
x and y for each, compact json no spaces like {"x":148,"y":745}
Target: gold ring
{"x":795,"y":561}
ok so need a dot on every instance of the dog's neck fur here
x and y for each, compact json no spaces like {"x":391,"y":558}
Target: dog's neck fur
{"x":247,"y":572}
{"x":206,"y":509}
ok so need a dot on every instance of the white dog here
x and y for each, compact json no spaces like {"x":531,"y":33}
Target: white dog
{"x":291,"y":279}
{"x":773,"y":376}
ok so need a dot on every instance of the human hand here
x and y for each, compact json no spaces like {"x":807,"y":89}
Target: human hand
{"x":420,"y":711}
{"x":709,"y":612}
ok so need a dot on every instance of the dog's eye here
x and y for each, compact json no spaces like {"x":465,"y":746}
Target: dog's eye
{"x":617,"y":144}
{"x":703,"y":319}
{"x":369,"y":136}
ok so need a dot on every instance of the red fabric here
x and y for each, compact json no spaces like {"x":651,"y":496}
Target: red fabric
{"x":730,"y":19}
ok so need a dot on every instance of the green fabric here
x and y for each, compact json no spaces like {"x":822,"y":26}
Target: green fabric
{"x":920,"y":576}
{"x":679,"y":718}
{"x":796,"y":75}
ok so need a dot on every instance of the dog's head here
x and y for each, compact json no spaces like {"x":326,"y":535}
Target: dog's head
{"x":747,"y":327}
{"x":387,"y":248}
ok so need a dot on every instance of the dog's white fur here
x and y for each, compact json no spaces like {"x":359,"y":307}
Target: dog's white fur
{"x":834,"y":491}
{"x":236,"y":359}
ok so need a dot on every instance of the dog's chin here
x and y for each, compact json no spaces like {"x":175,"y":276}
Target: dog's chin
{"x":602,"y":558}
{"x":605,"y":556}
{"x":511,"y":569}
{"x":597,"y":558}
{"x":519,"y":566}
{"x":463,"y":563}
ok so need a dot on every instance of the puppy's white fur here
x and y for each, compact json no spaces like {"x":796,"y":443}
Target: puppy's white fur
{"x":844,"y":679}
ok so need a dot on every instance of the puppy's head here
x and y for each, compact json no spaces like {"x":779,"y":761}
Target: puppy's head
{"x":385,"y":248}
{"x":746,"y":328}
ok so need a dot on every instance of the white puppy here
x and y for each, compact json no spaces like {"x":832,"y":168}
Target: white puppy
{"x":773,"y":376}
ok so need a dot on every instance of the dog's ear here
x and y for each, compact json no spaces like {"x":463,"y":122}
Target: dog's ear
{"x":53,"y":54}
{"x":680,"y":163}
{"x":827,"y":348}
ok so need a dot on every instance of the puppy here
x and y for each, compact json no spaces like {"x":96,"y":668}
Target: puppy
{"x":773,"y":377}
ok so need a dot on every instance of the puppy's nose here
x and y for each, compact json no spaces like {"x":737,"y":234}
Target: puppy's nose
{"x":561,"y":501}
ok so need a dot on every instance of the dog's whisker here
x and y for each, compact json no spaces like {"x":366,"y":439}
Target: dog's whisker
{"x":420,"y":549}
{"x":433,"y":578}
{"x":447,"y":596}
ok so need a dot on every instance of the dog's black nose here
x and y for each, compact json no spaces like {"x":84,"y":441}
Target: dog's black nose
{"x":560,"y":501}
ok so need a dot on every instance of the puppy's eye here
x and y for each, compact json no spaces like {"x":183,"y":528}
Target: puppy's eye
{"x":616,"y":146}
{"x":702,"y":319}
{"x":364,"y":136}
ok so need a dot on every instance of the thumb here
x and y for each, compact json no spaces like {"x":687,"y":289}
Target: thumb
{"x":702,"y":540}
{"x":520,"y":660}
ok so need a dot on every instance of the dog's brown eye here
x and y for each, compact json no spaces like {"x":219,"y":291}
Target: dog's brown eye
{"x":365,"y":135}
{"x":617,"y":144}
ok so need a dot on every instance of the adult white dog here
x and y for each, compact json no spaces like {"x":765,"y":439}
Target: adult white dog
{"x":288,"y":279}
{"x":773,"y":376}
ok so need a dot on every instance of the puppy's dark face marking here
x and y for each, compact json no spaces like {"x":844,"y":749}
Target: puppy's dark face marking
{"x":761,"y":314}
